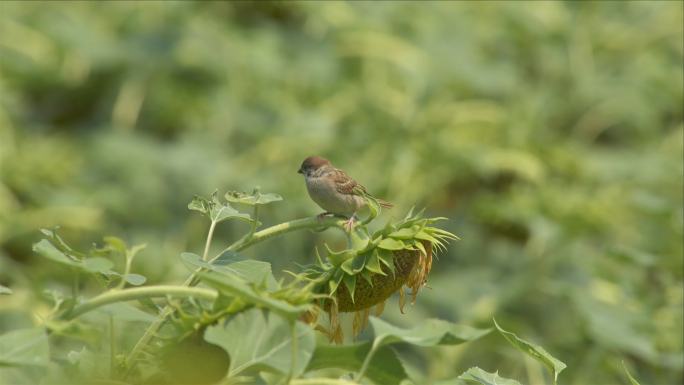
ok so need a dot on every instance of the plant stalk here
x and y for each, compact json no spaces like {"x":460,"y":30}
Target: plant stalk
{"x":367,"y":360}
{"x":210,"y":235}
{"x":139,"y":293}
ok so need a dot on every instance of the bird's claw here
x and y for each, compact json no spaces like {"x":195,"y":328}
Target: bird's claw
{"x":349,"y":224}
{"x":322,"y":215}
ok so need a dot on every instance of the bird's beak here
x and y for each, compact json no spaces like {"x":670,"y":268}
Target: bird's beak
{"x":300,"y":171}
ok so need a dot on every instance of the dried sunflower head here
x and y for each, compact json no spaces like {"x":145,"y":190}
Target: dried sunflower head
{"x":398,"y":255}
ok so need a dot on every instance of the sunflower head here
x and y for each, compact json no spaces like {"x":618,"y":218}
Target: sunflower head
{"x":358,"y":279}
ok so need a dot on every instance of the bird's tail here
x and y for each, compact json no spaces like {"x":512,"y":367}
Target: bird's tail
{"x":385,"y":204}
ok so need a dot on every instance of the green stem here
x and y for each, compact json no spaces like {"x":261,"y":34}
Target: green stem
{"x":256,"y":220}
{"x":367,"y":360}
{"x":210,"y":235}
{"x":112,"y":347}
{"x":293,"y":362}
{"x":139,"y":293}
{"x":286,"y":227}
{"x":127,"y":269}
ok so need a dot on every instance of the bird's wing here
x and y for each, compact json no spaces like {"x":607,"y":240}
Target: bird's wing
{"x":346,"y":184}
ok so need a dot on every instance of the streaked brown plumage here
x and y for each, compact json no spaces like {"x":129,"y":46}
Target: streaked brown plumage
{"x":333,"y":190}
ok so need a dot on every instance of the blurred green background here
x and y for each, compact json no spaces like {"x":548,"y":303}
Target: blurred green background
{"x":550,"y":134}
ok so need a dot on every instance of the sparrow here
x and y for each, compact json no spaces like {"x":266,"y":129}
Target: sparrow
{"x":334,"y":191}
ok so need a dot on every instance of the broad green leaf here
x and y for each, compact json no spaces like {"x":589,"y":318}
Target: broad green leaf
{"x":255,"y":198}
{"x":227,"y":257}
{"x":49,"y":251}
{"x":615,"y":326}
{"x":216,"y":210}
{"x":91,"y":265}
{"x":97,"y":264}
{"x":478,"y":376}
{"x":257,"y":341}
{"x":430,"y":332}
{"x":135,"y":279}
{"x":384,"y":369}
{"x":535,"y":351}
{"x":200,"y":204}
{"x":24,"y":347}
{"x":126,"y":312}
{"x":223,"y":212}
{"x":632,"y":380}
{"x":61,"y":245}
{"x":256,"y":272}
{"x":195,"y":260}
{"x":236,"y":286}
{"x":5,"y":290}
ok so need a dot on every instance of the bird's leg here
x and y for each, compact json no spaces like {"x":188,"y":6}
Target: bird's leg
{"x":349,"y":224}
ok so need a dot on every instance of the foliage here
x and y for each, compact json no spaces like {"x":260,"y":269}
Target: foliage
{"x":250,"y":326}
{"x":549,"y":132}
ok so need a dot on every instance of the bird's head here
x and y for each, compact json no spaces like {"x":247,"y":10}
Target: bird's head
{"x":311,"y":164}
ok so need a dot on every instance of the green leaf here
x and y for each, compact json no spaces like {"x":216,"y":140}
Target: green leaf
{"x":49,"y":251}
{"x":385,"y":368}
{"x":255,"y":198}
{"x":535,"y":351}
{"x":4,"y":290}
{"x":115,"y":243}
{"x":126,"y":312}
{"x":256,"y":272}
{"x":430,"y":332}
{"x":235,"y":286}
{"x":256,"y":341}
{"x":405,"y":233}
{"x":97,"y":264}
{"x":135,"y":279}
{"x":350,"y":283}
{"x":335,"y":281}
{"x":632,"y":380}
{"x":337,"y":258}
{"x":216,"y":210}
{"x":227,"y":257}
{"x":373,"y":263}
{"x":133,"y":251}
{"x":59,"y":243}
{"x":478,"y":376}
{"x":387,"y":259}
{"x":200,"y":204}
{"x":24,"y":347}
{"x":391,"y":244}
{"x":221,"y":213}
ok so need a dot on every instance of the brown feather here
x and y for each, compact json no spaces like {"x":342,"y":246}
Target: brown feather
{"x":346,"y":184}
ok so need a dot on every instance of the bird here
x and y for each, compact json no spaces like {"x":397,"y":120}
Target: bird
{"x":334,"y":191}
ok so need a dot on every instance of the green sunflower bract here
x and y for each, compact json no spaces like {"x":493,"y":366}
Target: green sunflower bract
{"x":378,"y":265}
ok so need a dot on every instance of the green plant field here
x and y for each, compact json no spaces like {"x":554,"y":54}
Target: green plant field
{"x":544,"y":141}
